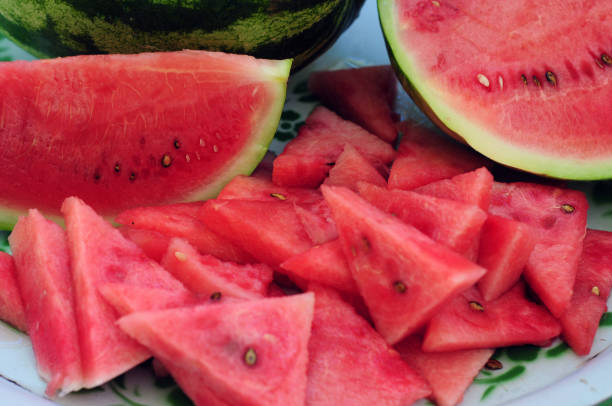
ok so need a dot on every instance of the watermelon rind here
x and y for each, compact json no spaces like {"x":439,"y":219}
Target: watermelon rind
{"x":457,"y":123}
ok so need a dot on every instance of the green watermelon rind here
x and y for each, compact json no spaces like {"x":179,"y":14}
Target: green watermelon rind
{"x":457,"y":123}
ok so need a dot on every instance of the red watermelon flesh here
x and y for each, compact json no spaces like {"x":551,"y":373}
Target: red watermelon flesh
{"x":317,"y":222}
{"x":42,"y":265}
{"x":153,"y":243}
{"x":449,"y":373}
{"x":365,"y":96}
{"x":307,"y":159}
{"x":505,"y":246}
{"x":469,"y":322}
{"x":123,"y":131}
{"x":591,"y":292}
{"x":205,"y":275}
{"x":247,"y":353}
{"x":558,"y":219}
{"x":180,"y":220}
{"x":324,"y":264}
{"x":350,"y":168}
{"x":425,"y":156}
{"x":453,"y":224}
{"x":100,"y":255}
{"x":349,"y":362}
{"x":472,"y":187}
{"x":403,"y":276}
{"x":269,"y":231}
{"x":11,"y":305}
{"x":126,"y":299}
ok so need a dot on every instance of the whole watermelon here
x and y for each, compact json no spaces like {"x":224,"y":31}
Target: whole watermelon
{"x":274,"y":29}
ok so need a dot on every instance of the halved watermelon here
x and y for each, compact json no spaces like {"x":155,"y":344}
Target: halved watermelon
{"x":525,"y":83}
{"x":11,"y":304}
{"x":122,"y":131}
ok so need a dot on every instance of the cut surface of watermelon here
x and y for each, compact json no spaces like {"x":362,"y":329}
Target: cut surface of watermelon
{"x":11,"y":304}
{"x":351,"y":168}
{"x":123,"y":131}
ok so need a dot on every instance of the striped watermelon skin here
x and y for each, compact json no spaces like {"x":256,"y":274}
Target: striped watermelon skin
{"x":274,"y":29}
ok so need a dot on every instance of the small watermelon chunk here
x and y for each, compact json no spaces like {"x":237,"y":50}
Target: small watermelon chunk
{"x":350,"y":363}
{"x":591,"y":292}
{"x":263,"y":189}
{"x":42,"y":263}
{"x":180,"y":220}
{"x":126,"y":299}
{"x":403,"y":276}
{"x":472,"y":187}
{"x":206,"y":275}
{"x":558,"y":218}
{"x":505,"y":246}
{"x":469,"y":322}
{"x":261,"y":362}
{"x":307,"y":159}
{"x":425,"y":156}
{"x":154,"y":244}
{"x":351,"y":168}
{"x":449,"y":373}
{"x":11,"y":304}
{"x":317,"y":222}
{"x":365,"y":96}
{"x":453,"y":224}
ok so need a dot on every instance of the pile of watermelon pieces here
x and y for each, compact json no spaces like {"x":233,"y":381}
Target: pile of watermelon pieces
{"x":352,"y":269}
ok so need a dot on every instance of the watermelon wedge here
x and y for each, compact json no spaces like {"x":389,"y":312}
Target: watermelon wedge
{"x":403,"y":276}
{"x":153,"y":243}
{"x":126,"y":299}
{"x":263,"y":362}
{"x":351,"y":168}
{"x":122,"y":131}
{"x":11,"y":304}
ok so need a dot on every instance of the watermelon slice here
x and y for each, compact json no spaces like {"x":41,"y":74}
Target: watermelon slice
{"x":425,"y":156}
{"x":206,"y":275}
{"x":352,"y":167}
{"x":154,"y":244}
{"x":365,"y":96}
{"x":448,"y":373}
{"x":525,"y":83}
{"x":263,"y":362}
{"x":591,"y":292}
{"x":403,"y":276}
{"x":262,"y":188}
{"x":307,"y":159}
{"x":317,"y":222}
{"x":123,"y":131}
{"x":11,"y":305}
{"x":126,"y":299}
{"x":468,"y":322}
{"x":558,"y":219}
{"x":350,"y":364}
{"x":99,"y":255}
{"x":42,"y":263}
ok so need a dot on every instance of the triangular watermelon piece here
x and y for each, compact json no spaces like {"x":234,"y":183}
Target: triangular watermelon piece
{"x":449,"y":373}
{"x":505,"y":246}
{"x":469,"y":322}
{"x":180,"y":220}
{"x":365,"y":96}
{"x":403,"y":276}
{"x":262,"y":189}
{"x":351,"y":364}
{"x":317,"y":222}
{"x":11,"y":305}
{"x":126,"y":299}
{"x":307,"y":159}
{"x":472,"y":187}
{"x":425,"y":156}
{"x":453,"y":224}
{"x":153,"y":243}
{"x":205,"y":275}
{"x":351,"y":168}
{"x":42,"y":263}
{"x":269,"y":231}
{"x":558,"y":219}
{"x":245,"y":353}
{"x":591,"y":292}
{"x":100,"y":254}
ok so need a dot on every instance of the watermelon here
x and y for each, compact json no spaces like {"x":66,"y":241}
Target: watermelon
{"x":11,"y":304}
{"x":469,"y":322}
{"x":448,"y":373}
{"x":591,"y":292}
{"x":349,"y":362}
{"x":154,"y":244}
{"x":263,"y":362}
{"x":510,"y":84}
{"x":558,"y":218}
{"x":268,"y":29}
{"x":126,"y":299}
{"x":365,"y":96}
{"x":403,"y":276}
{"x":351,"y":168}
{"x":122,"y":131}
{"x":42,"y":264}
